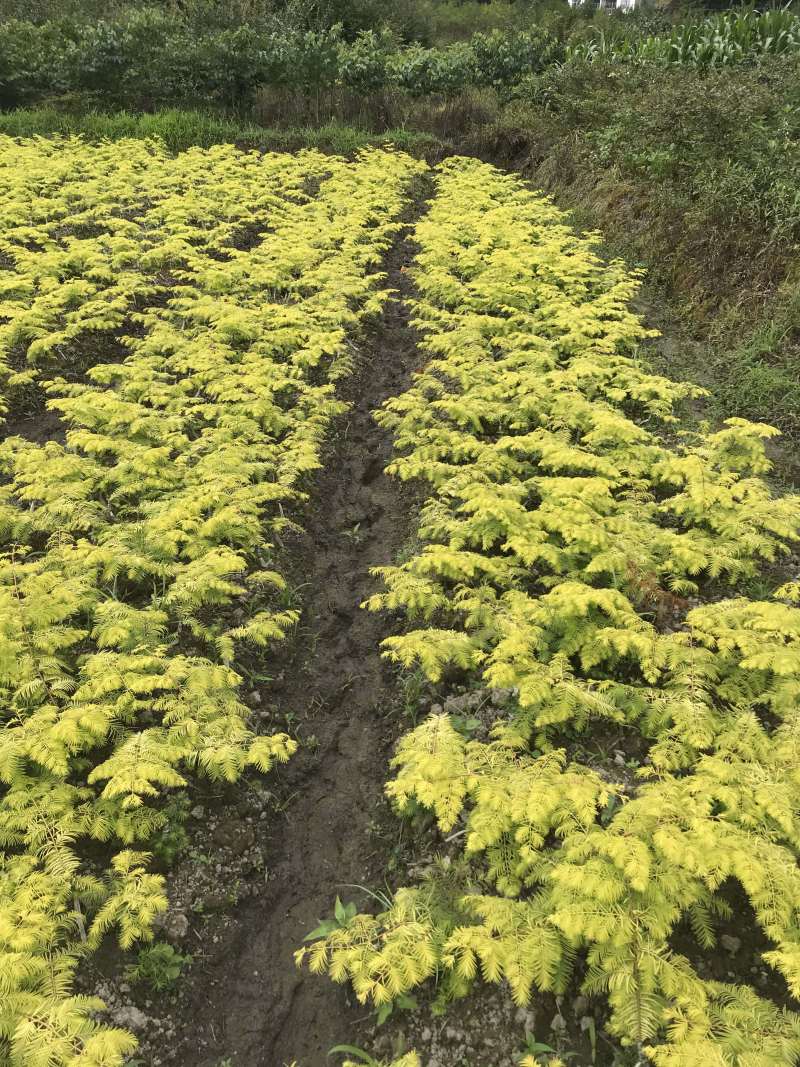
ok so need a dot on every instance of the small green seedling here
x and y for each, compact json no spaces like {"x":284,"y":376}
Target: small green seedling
{"x":533,"y":1047}
{"x":342,"y":915}
{"x":158,"y":965}
{"x":404,"y":1002}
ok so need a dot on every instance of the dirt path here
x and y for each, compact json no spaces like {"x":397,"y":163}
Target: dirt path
{"x":250,"y":1002}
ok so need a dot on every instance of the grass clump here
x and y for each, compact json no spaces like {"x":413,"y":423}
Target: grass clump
{"x":180,"y":129}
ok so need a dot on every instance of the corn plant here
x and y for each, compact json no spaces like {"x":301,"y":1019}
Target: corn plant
{"x":718,"y":40}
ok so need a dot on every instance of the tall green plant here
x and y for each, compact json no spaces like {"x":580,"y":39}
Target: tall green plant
{"x":718,"y":40}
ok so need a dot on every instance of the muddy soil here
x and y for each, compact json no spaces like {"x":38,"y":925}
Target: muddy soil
{"x":39,"y":427}
{"x":246,"y":999}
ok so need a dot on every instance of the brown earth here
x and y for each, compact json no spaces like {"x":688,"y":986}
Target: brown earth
{"x":247,"y":1000}
{"x":40,"y":426}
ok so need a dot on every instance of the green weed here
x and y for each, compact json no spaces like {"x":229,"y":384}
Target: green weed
{"x":158,"y":966}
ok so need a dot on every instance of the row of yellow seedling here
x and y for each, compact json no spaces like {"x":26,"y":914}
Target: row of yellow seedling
{"x":137,"y":554}
{"x":583,"y":553}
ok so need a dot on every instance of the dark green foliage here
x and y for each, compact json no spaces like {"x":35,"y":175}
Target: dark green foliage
{"x":147,"y":57}
{"x":503,"y":59}
{"x":31,"y":62}
{"x":170,"y":841}
{"x":725,"y":143}
{"x":143,"y":58}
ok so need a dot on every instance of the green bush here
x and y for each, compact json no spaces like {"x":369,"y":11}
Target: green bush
{"x":722,"y":146}
{"x":32,"y":62}
{"x":147,"y":57}
{"x":505,"y":59}
{"x":364,"y":66}
{"x":422,"y":71}
{"x":134,"y":54}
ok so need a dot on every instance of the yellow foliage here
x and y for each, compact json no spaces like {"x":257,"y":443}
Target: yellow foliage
{"x":563,"y":532}
{"x":222,"y":291}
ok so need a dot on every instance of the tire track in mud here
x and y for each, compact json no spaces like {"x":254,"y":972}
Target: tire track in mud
{"x":251,"y":1003}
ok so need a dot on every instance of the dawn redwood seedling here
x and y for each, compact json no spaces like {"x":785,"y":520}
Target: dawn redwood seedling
{"x":137,"y":557}
{"x":567,"y":545}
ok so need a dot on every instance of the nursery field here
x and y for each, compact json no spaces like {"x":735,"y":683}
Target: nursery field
{"x":352,"y":473}
{"x":187,"y":318}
